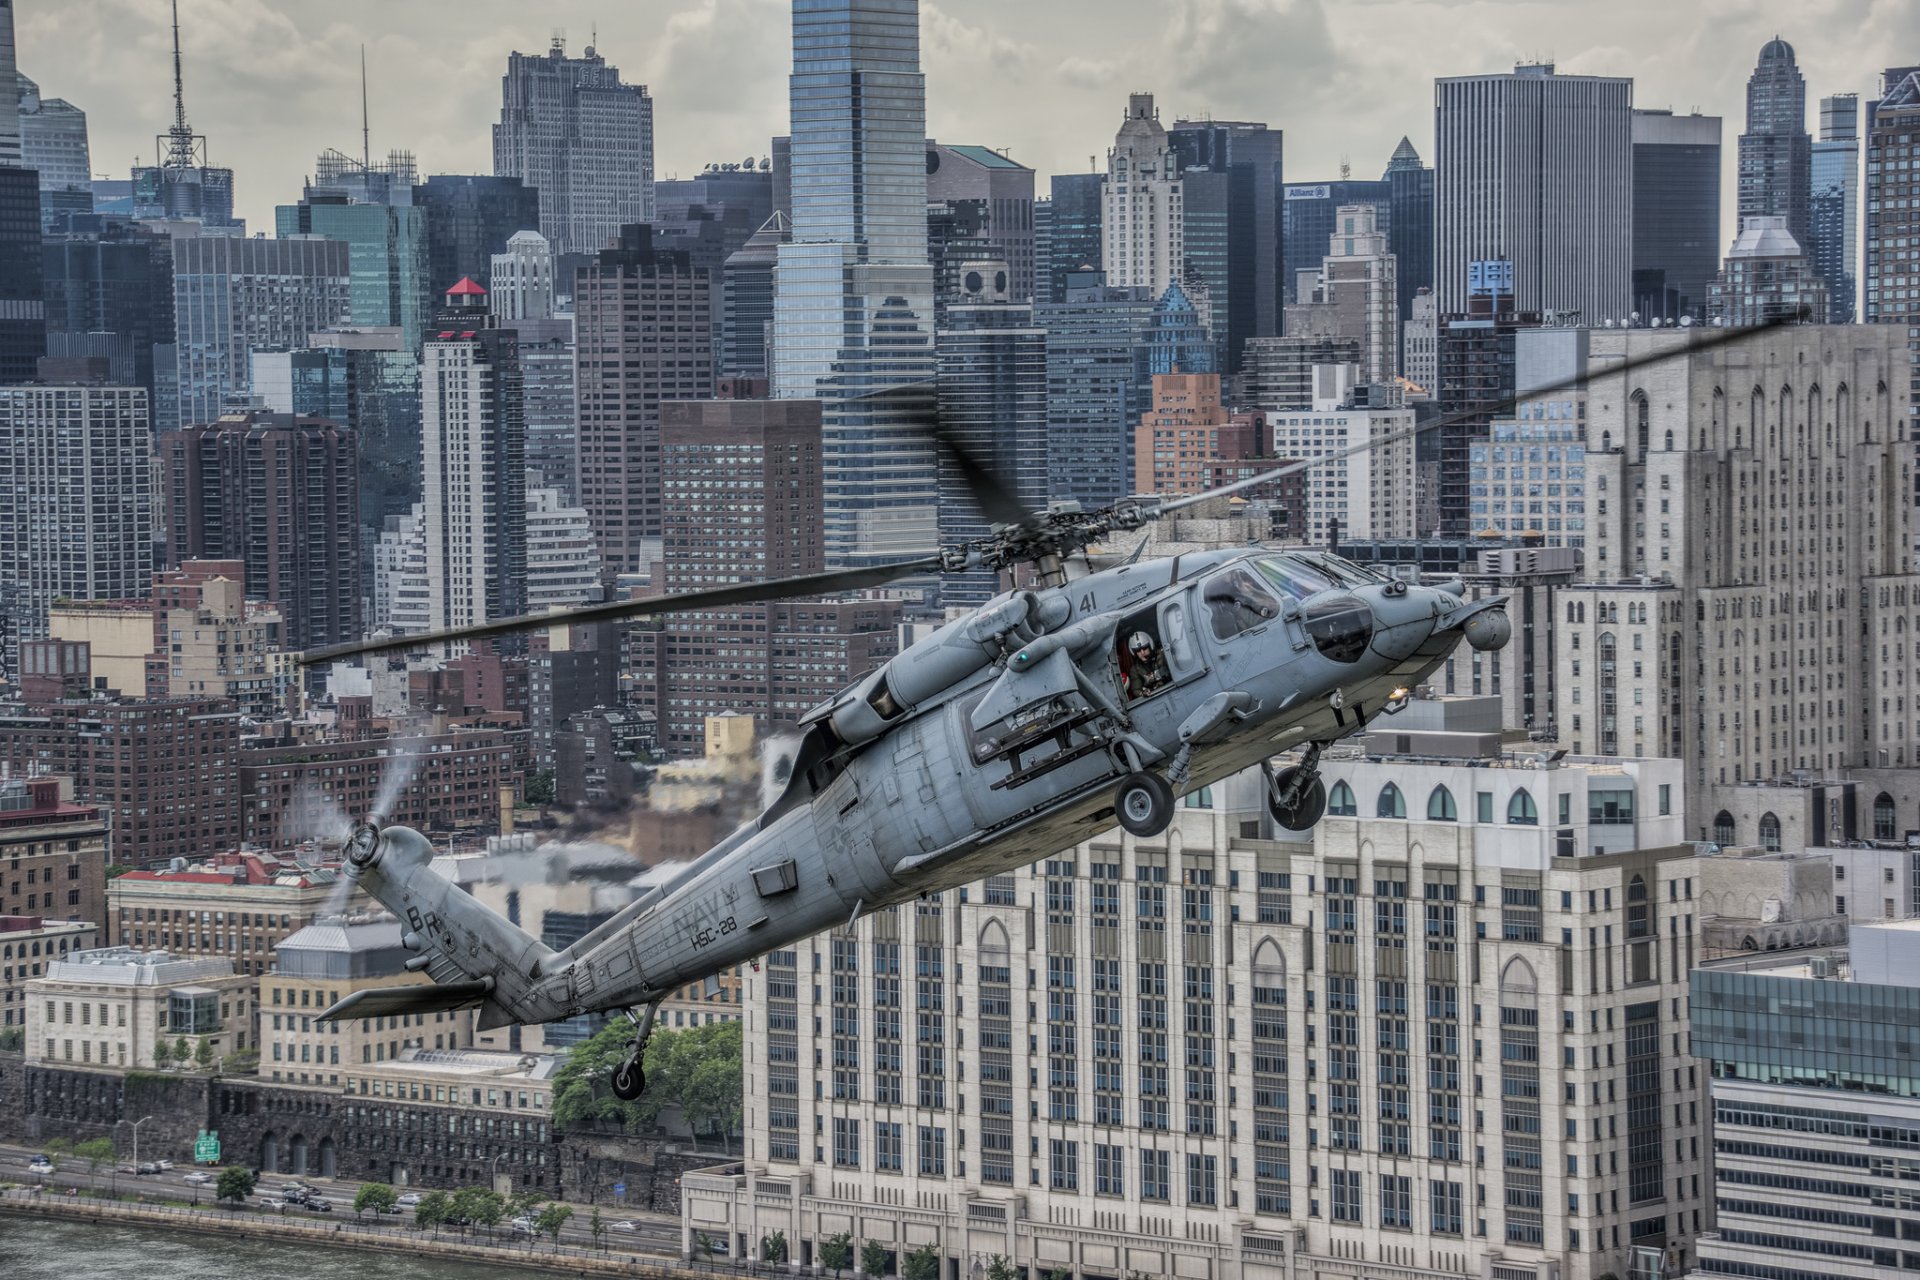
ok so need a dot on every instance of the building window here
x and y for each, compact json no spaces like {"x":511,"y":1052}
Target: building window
{"x":1521,"y":810}
{"x":1769,"y":833}
{"x":1723,"y":830}
{"x":1391,"y":803}
{"x":1884,"y":820}
{"x":1346,"y":1195}
{"x":1341,"y":802}
{"x":1440,"y":806}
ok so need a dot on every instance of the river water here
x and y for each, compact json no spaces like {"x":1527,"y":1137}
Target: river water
{"x":48,"y":1249}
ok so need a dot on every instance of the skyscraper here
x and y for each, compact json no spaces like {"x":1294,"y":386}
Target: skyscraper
{"x":1410,"y":222}
{"x":76,"y":501}
{"x":473,"y":436}
{"x":641,"y":336}
{"x":232,"y":295}
{"x":379,"y":372}
{"x":746,"y":307}
{"x":1142,"y":230}
{"x":553,"y":417}
{"x":571,"y":130}
{"x":53,"y":143}
{"x":1250,"y":155}
{"x":1766,"y":278}
{"x":1361,"y":284}
{"x":386,"y":254}
{"x":180,"y":183}
{"x":9,"y":98}
{"x":280,"y":494}
{"x":1892,"y":199}
{"x":1307,"y":218}
{"x":853,"y":291}
{"x":1833,"y":208}
{"x":1079,"y":200}
{"x":1776,"y":154}
{"x":1676,"y":213}
{"x":1536,"y":169}
{"x":23,"y":307}
{"x":522,"y":285}
{"x":115,"y":279}
{"x":1002,"y":189}
{"x":1095,"y":388}
{"x":470,"y":218}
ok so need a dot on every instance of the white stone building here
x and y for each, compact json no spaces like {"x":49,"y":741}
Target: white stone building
{"x":1361,"y":283}
{"x":563,"y":561}
{"x":110,"y":1007}
{"x":1143,"y":225}
{"x":28,"y":944}
{"x":1437,"y":1041}
{"x":522,"y":278}
{"x":1371,"y":493}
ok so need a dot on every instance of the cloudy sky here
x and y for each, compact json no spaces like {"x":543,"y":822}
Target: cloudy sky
{"x":272,"y":82}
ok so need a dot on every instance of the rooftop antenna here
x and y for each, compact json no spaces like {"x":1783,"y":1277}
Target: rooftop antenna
{"x":1346,"y":169}
{"x":180,"y":138}
{"x":366,"y":145}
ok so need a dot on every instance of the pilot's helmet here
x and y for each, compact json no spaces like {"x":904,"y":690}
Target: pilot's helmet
{"x":1140,"y":642}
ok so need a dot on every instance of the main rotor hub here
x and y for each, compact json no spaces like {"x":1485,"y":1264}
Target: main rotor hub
{"x":363,"y":845}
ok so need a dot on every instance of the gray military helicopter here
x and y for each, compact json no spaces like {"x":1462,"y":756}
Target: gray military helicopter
{"x":1088,"y":697}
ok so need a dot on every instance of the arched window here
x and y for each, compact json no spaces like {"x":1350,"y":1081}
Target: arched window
{"x":1723,"y":828}
{"x":1270,"y":984}
{"x":1518,"y":985}
{"x":1521,"y":809}
{"x":1641,"y":424}
{"x":1391,"y":803}
{"x":1340,"y":801}
{"x":1201,"y":799}
{"x":1769,"y":833}
{"x":1883,"y":818}
{"x":1440,"y":806}
{"x":1669,"y":442}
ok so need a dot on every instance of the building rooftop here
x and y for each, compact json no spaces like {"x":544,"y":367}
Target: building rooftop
{"x":985,"y":156}
{"x":126,"y":967}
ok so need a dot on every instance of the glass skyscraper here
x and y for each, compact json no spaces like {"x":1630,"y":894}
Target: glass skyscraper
{"x":1833,"y":208}
{"x":853,"y":290}
{"x":387,"y":254}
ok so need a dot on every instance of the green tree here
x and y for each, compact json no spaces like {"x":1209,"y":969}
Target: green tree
{"x":162,"y":1054}
{"x":481,"y":1206}
{"x":234,"y":1186}
{"x":96,"y":1152}
{"x":922,"y":1264}
{"x":597,"y":1227}
{"x":117,"y":869}
{"x":773,"y":1247}
{"x":203,"y":1054}
{"x":56,"y":1150}
{"x":836,"y":1252}
{"x":434,"y":1208}
{"x":1000,"y":1268}
{"x":182,"y":1052}
{"x":703,"y":1246}
{"x":550,"y":1219}
{"x":13,"y":1039}
{"x":539,"y":789}
{"x":874,"y":1258}
{"x":525,"y":1203}
{"x":375,"y":1197}
{"x":697,"y":1070}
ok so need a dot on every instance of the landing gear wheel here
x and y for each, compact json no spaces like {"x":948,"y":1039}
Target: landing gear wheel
{"x":628,"y":1079}
{"x":1307,"y":806}
{"x":1144,"y":803}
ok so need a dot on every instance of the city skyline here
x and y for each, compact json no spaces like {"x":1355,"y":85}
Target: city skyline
{"x":716,"y":70}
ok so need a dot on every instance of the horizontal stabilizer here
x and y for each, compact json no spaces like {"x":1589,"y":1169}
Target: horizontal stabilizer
{"x":381,"y":1002}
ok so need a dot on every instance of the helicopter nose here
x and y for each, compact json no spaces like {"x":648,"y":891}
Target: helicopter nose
{"x":1405,"y":617}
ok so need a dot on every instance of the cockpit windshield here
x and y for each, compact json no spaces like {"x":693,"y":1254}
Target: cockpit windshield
{"x":1299,"y":574}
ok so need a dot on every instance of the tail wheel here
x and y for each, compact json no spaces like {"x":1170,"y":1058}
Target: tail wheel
{"x":1307,"y":805}
{"x":629,"y":1080}
{"x":1144,"y":803}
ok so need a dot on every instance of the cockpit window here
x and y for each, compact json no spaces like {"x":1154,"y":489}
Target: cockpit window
{"x":1238,"y":601}
{"x":1344,"y":572}
{"x":1293,"y":578}
{"x":1340,"y":626}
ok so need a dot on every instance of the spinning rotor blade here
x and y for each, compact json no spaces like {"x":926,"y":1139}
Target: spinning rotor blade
{"x":1719,"y":338}
{"x":813,"y":584}
{"x":917,"y":405}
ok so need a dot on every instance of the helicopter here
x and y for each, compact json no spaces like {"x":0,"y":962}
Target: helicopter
{"x":1090,"y":696}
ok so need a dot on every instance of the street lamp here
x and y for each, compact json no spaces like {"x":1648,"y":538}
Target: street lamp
{"x":136,"y":1142}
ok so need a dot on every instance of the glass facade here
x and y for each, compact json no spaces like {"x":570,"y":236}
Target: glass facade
{"x":387,"y":255}
{"x":853,"y":292}
{"x":1530,"y":477}
{"x":1828,"y":1035}
{"x":1309,"y":219}
{"x":1074,"y":243}
{"x":1094,"y":390}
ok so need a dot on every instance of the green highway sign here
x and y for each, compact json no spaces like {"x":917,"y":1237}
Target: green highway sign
{"x":206,"y":1147}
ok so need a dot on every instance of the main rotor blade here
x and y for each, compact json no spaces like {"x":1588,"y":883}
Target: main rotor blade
{"x":1718,"y":338}
{"x":813,"y":584}
{"x":919,"y":404}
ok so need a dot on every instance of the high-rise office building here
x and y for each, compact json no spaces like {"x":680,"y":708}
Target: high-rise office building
{"x":112,"y":277}
{"x":1776,"y":153}
{"x":365,"y":180}
{"x":546,"y":375}
{"x":853,"y":290}
{"x":1206,"y":276}
{"x":281,"y":495}
{"x":76,"y":501}
{"x":1179,"y":1118}
{"x":522,"y":283}
{"x":231,"y":295}
{"x":1368,"y":495}
{"x":181,"y":183}
{"x":377,"y":374}
{"x":745,"y":187}
{"x":23,"y":306}
{"x":470,"y":217}
{"x":1308,"y":218}
{"x":1766,"y":278}
{"x":1142,"y":228}
{"x":1677,"y":590}
{"x":1676,"y":213}
{"x":474,"y":477}
{"x":386,"y":254}
{"x":574,"y":132}
{"x":1535,"y":169}
{"x":1474,"y":372}
{"x":1078,"y":212}
{"x":1892,"y":202}
{"x":9,"y":99}
{"x":710,"y":218}
{"x":53,"y":143}
{"x":1002,"y":188}
{"x":1249,"y":154}
{"x":1360,"y":279}
{"x":641,"y":336}
{"x":1095,"y":391}
{"x":1178,"y":338}
{"x":563,"y":564}
{"x":1177,"y":439}
{"x":1833,"y":207}
{"x":1410,"y":223}
{"x":1279,"y":375}
{"x":991,"y":380}
{"x":746,"y":307}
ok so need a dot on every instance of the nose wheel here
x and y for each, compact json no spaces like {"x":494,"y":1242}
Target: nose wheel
{"x":629,"y":1078}
{"x":1144,"y":803}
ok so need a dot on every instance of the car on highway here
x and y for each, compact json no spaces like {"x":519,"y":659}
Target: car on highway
{"x":621,"y":1226}
{"x":522,"y":1225}
{"x":197,"y":1179}
{"x":147,"y":1168}
{"x":409,"y":1200}
{"x":319,"y":1204}
{"x":164,"y":1165}
{"x":40,"y":1165}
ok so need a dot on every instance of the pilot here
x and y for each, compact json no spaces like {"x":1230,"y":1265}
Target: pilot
{"x":1145,"y":670}
{"x":1238,"y":603}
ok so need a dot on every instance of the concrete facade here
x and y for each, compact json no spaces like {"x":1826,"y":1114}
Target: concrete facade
{"x":111,"y":1006}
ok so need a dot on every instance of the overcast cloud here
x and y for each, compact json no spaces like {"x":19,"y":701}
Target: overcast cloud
{"x":272,"y":82}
